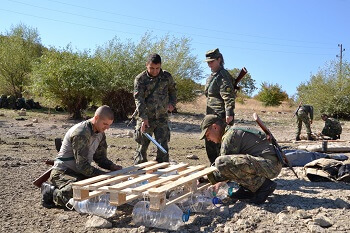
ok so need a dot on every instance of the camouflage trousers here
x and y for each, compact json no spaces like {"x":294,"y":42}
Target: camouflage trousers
{"x":161,"y":131}
{"x":248,"y":171}
{"x":333,"y":133}
{"x":63,"y":180}
{"x":303,"y":117}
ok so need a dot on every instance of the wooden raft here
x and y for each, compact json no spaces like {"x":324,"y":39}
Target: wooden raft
{"x":125,"y":185}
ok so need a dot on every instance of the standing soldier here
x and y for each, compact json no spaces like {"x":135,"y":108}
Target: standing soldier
{"x":155,"y":95}
{"x":332,"y":127}
{"x":219,"y":90}
{"x":305,"y":113}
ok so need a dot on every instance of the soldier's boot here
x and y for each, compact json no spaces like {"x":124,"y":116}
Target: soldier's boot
{"x":297,"y":138}
{"x":310,"y":138}
{"x":139,"y":158}
{"x":242,"y":194}
{"x":265,"y":190}
{"x":47,"y":195}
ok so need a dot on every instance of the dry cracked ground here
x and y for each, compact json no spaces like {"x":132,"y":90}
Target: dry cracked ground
{"x":297,"y":205}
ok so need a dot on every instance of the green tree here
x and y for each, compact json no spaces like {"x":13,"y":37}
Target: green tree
{"x":70,"y":79}
{"x":18,"y":49}
{"x":328,"y":90}
{"x":247,"y":84}
{"x":271,"y":94}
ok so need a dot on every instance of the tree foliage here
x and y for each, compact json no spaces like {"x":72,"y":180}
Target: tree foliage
{"x":18,"y":49}
{"x":271,"y":94}
{"x":328,"y":90}
{"x":70,"y":79}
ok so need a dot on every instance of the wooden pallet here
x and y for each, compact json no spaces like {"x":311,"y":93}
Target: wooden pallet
{"x":122,"y":188}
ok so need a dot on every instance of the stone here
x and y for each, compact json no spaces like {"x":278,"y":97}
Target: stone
{"x":341,"y":203}
{"x":98,"y":222}
{"x":35,"y":120}
{"x":314,"y":228}
{"x":192,"y":156}
{"x":28,"y":125}
{"x":322,"y":220}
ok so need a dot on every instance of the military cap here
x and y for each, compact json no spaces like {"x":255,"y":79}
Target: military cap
{"x":211,"y":55}
{"x":208,"y":121}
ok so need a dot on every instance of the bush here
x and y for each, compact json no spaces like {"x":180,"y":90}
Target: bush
{"x":271,"y":94}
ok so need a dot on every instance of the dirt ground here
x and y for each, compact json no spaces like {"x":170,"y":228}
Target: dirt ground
{"x":297,"y":205}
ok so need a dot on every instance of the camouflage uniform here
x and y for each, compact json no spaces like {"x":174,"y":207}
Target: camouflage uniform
{"x":80,"y":146}
{"x":304,"y":114}
{"x":332,"y":128}
{"x":153,"y":105}
{"x":247,"y":158}
{"x":220,"y":95}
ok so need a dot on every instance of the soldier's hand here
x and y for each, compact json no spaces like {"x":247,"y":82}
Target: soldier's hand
{"x":144,"y":125}
{"x":170,"y":107}
{"x":116,"y":167}
{"x":229,"y":120}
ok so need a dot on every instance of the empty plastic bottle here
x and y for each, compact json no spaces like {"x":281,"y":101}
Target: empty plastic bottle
{"x":99,"y":206}
{"x":170,"y":218}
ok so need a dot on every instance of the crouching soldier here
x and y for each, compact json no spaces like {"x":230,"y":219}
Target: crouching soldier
{"x":332,"y":127}
{"x":246,"y":157}
{"x":83,"y":143}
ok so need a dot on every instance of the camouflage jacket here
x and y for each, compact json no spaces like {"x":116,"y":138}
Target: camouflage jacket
{"x":308,"y":109}
{"x":244,"y":140}
{"x":80,"y":146}
{"x":332,"y":126}
{"x":154,"y":105}
{"x":220,"y":94}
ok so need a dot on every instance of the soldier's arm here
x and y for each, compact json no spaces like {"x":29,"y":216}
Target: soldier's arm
{"x":172,"y":91}
{"x":311,"y":113}
{"x":227,"y":93}
{"x":80,"y":146}
{"x":139,"y":95}
{"x":100,"y":156}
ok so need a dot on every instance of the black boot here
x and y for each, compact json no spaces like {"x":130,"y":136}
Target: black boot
{"x":297,"y":138}
{"x":310,"y":138}
{"x":264,"y":191}
{"x":242,"y":194}
{"x":47,"y":195}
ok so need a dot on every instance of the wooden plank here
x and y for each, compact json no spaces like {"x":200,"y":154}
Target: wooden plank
{"x":86,"y":194}
{"x":181,"y":181}
{"x":145,"y":187}
{"x":128,"y":183}
{"x":171,"y":168}
{"x":151,"y":169}
{"x":114,"y":173}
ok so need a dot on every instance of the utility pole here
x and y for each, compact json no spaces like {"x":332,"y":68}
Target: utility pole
{"x":341,"y":58}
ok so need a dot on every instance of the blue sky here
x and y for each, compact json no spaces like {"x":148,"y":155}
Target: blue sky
{"x":278,"y":41}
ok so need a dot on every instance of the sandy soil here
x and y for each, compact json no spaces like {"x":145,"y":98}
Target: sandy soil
{"x":297,"y":205}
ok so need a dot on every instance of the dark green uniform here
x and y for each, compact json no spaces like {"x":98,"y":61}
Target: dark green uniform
{"x":80,"y":146}
{"x":304,"y":114}
{"x":246,"y":157}
{"x":332,"y":128}
{"x":152,"y":96}
{"x":220,"y":95}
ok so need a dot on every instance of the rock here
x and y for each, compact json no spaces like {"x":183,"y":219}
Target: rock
{"x":28,"y":125}
{"x":302,"y":214}
{"x":130,"y":133}
{"x":314,"y":228}
{"x":22,"y":112}
{"x":97,"y":222}
{"x":192,"y":156}
{"x":341,"y":203}
{"x":323,"y":221}
{"x":283,"y":217}
{"x":35,"y":120}
{"x":62,"y":217}
{"x":53,"y":127}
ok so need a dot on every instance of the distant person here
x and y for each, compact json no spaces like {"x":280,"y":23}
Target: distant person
{"x":246,"y":157}
{"x":155,"y":95}
{"x":332,"y":127}
{"x":83,"y":143}
{"x":304,"y":114}
{"x":219,"y":90}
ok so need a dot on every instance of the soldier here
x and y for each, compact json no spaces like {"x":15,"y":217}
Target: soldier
{"x":219,"y":90}
{"x":332,"y":127}
{"x":83,"y":143}
{"x":246,"y":157}
{"x":155,"y":95}
{"x":304,"y":113}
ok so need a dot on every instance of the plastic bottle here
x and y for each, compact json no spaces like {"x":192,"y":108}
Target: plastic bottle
{"x":99,"y":206}
{"x":170,"y":218}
